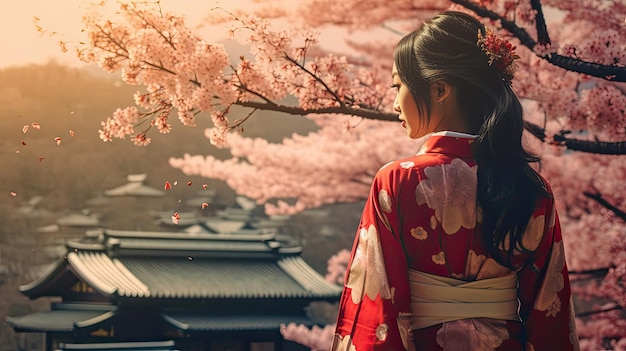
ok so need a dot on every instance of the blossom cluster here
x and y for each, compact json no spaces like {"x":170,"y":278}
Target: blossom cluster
{"x":316,"y":169}
{"x":182,"y":73}
{"x":179,"y":70}
{"x":500,"y":52}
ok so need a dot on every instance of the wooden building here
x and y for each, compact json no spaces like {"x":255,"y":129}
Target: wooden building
{"x":177,"y":291}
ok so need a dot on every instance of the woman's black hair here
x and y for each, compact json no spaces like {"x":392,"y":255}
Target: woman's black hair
{"x":445,"y":48}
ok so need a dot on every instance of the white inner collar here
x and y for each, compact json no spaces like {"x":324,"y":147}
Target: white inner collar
{"x":455,"y":134}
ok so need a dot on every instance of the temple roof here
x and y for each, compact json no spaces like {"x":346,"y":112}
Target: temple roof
{"x":134,"y":187}
{"x":164,"y":265}
{"x":62,"y":318}
{"x":197,"y":322}
{"x":73,"y":317}
{"x":167,"y":345}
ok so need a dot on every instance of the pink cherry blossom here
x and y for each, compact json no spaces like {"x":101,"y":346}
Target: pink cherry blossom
{"x":343,"y":89}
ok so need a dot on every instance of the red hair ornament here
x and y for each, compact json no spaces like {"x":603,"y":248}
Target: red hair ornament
{"x":501,"y":54}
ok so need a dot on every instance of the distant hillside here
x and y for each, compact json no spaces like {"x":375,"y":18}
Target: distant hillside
{"x":62,"y":99}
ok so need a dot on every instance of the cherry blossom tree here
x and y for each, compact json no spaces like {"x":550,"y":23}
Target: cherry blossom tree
{"x":571,"y":75}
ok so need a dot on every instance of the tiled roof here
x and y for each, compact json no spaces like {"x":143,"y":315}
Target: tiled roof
{"x":133,"y":189}
{"x":84,"y":219}
{"x":108,"y":276}
{"x":186,"y":277}
{"x":70,"y":320}
{"x":57,"y":320}
{"x":168,"y":345}
{"x":161,"y":265}
{"x":190,"y":322}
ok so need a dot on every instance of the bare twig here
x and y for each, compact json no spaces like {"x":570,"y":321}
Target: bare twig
{"x":614,"y":307}
{"x":597,"y":197}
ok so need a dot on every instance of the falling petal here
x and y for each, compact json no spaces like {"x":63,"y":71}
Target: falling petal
{"x":176,"y":182}
{"x":23,"y":143}
{"x":189,"y":183}
{"x":71,"y":113}
{"x":25,"y":129}
{"x":17,"y":151}
{"x":62,"y":46}
{"x":36,"y":125}
{"x":58,"y":140}
{"x":13,"y":194}
{"x":168,"y":185}
{"x":71,"y":133}
{"x":204,"y":205}
{"x":204,"y":186}
{"x":40,"y":158}
{"x":175,"y":218}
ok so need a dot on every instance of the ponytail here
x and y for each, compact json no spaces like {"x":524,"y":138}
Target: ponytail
{"x":508,"y":187}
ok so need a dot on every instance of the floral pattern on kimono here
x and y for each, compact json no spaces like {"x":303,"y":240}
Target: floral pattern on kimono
{"x":367,"y":271}
{"x":421,"y":214}
{"x":450,"y":190}
{"x":476,"y":334}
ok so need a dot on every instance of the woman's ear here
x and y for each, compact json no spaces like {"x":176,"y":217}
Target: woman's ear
{"x":440,"y":90}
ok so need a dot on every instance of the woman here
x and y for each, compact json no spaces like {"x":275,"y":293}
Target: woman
{"x":459,"y":247}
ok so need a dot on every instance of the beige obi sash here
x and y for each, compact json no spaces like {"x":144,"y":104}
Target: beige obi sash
{"x":436,"y":299}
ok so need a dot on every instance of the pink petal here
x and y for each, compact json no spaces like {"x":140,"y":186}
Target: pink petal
{"x":168,"y":185}
{"x":175,"y":218}
{"x":36,"y":125}
{"x":204,"y":205}
{"x":25,"y":129}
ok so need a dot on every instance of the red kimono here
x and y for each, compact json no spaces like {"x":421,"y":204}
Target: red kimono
{"x":421,"y":215}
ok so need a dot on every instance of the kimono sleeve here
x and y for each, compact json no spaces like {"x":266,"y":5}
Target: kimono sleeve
{"x":374,"y":307}
{"x":545,"y":294}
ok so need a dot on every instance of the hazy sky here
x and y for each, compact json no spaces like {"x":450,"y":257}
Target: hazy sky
{"x":21,"y":44}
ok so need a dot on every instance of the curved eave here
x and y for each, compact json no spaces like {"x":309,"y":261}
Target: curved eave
{"x":82,"y":271}
{"x":290,"y":250}
{"x":96,"y":320}
{"x":62,"y":321}
{"x":189,"y":322}
{"x":38,"y":287}
{"x":107,"y":276}
{"x":309,"y":279}
{"x":129,"y":234}
{"x":73,"y":245}
{"x":165,"y":295}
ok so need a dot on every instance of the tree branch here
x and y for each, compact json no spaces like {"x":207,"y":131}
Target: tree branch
{"x":596,"y":147}
{"x":540,"y":23}
{"x":597,"y":197}
{"x":345,"y":110}
{"x":614,"y":307}
{"x":612,"y":73}
{"x":596,"y":271}
{"x":317,"y":79}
